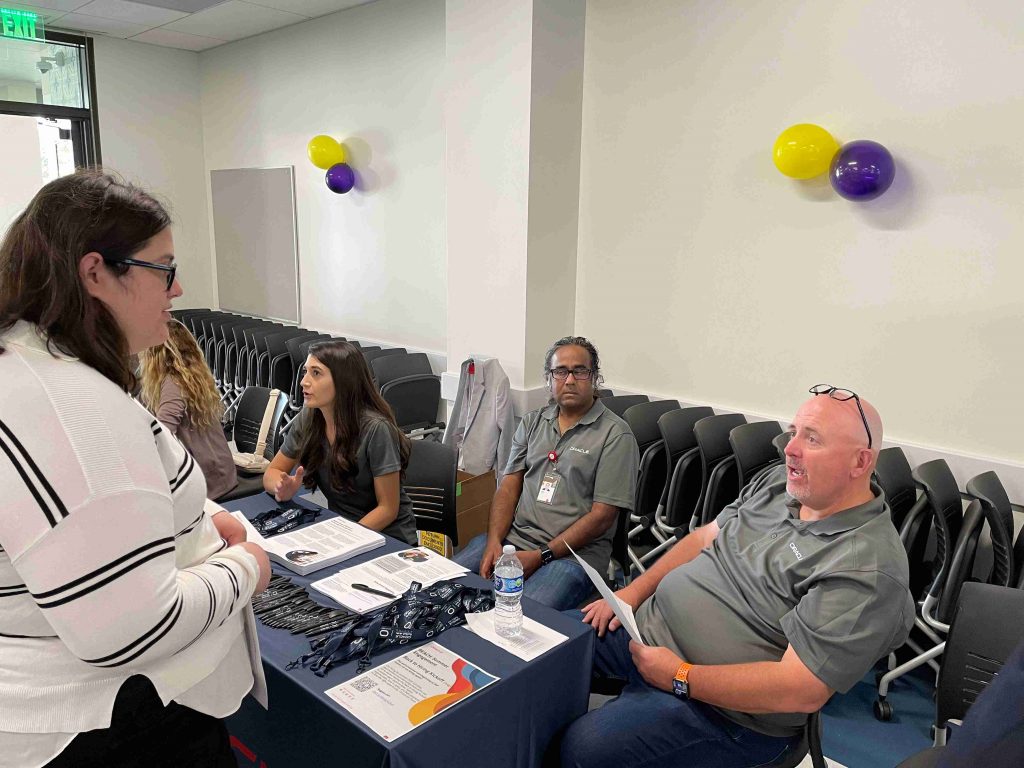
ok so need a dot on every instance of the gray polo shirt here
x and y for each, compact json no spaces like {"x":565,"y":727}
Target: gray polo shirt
{"x":837,"y":590}
{"x":597,"y":460}
{"x":378,"y":454}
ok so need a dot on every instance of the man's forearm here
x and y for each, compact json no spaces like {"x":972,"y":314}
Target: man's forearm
{"x":503,"y":510}
{"x":589,"y":527}
{"x":757,"y":687}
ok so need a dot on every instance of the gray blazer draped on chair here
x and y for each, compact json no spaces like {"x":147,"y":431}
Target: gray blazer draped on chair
{"x":482,"y":422}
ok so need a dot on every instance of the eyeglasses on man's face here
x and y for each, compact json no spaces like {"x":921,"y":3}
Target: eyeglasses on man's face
{"x":842,"y":395}
{"x":170,"y":269}
{"x":579,"y":373}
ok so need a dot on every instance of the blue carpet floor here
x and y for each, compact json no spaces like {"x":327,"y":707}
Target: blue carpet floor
{"x":853,"y":737}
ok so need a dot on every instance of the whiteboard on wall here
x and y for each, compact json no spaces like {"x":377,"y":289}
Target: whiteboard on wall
{"x":255,"y":243}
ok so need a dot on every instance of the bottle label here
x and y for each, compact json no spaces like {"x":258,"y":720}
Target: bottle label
{"x":508,"y":586}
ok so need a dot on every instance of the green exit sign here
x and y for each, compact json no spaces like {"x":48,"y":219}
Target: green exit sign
{"x":21,"y":24}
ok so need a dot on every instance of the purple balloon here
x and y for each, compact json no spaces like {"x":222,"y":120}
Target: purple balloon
{"x":340,"y":178}
{"x":862,"y":170}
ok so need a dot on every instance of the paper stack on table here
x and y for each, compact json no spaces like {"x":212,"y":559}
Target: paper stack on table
{"x":392,"y":573}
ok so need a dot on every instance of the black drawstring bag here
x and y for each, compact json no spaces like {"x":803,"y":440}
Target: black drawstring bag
{"x":420,"y":614}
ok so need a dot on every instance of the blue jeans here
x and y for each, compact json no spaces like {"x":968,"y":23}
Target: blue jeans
{"x":561,"y":584}
{"x":645,"y":727}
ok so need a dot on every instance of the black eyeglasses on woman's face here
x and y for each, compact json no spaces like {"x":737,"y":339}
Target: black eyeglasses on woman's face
{"x":842,"y":395}
{"x":170,"y":269}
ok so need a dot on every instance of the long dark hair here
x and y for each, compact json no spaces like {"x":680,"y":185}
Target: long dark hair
{"x":39,"y":281}
{"x":355,"y":397}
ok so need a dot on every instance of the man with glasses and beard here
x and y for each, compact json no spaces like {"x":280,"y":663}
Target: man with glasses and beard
{"x":573,"y":467}
{"x":753,"y":621}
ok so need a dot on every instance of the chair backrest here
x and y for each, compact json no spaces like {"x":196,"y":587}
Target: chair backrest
{"x":389,"y":368}
{"x":430,"y":482}
{"x":249,"y":416}
{"x":753,"y":448}
{"x":910,"y":513}
{"x":642,"y":420}
{"x":1006,"y":558}
{"x":947,"y":520}
{"x":683,"y":463}
{"x":720,"y":478}
{"x":618,"y":404}
{"x":414,"y":400}
{"x":372,"y":354}
{"x":986,"y":627}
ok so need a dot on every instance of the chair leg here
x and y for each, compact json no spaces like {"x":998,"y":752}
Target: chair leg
{"x":882,"y":708}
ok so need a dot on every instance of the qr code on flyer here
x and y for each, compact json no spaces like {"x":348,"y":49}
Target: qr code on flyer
{"x":363,"y":684}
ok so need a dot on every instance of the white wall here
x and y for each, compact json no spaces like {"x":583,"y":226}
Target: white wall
{"x":372,"y":262}
{"x":23,"y":169}
{"x":151,"y":132}
{"x":706,"y":274}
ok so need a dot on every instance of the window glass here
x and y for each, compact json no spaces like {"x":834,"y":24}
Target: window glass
{"x":41,"y":72}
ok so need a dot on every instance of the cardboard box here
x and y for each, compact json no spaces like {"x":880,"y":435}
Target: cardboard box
{"x":473,"y":495}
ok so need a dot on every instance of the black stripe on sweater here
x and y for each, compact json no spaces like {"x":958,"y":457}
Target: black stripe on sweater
{"x":151,"y":643}
{"x":190,"y":526}
{"x":99,"y":571}
{"x":13,"y":589}
{"x":210,"y":615}
{"x":155,"y":427}
{"x":176,"y":608}
{"x":53,"y":509}
{"x":191,"y":465}
{"x":184,"y":463}
{"x":102,"y":583}
{"x":234,"y":581}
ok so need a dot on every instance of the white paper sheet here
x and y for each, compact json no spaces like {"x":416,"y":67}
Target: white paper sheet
{"x":396,"y":697}
{"x":534,"y":639}
{"x":623,"y":611}
{"x":389,"y":573}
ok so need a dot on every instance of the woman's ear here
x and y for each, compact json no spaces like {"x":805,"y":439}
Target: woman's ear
{"x":91,"y":271}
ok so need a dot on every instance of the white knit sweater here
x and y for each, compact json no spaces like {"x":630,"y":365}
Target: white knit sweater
{"x":109,"y":564}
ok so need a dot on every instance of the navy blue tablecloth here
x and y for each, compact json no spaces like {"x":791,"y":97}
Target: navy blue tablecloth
{"x":509,"y":723}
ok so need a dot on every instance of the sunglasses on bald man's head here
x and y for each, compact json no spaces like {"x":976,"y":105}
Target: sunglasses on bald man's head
{"x":842,"y":395}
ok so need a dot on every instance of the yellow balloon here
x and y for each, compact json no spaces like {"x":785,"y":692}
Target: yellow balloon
{"x":803,"y":151}
{"x":324,"y":152}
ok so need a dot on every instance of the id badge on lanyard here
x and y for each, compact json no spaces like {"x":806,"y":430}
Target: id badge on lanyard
{"x":550,"y":481}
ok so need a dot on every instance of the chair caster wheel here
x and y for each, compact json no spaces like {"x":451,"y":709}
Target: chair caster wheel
{"x":883,"y":711}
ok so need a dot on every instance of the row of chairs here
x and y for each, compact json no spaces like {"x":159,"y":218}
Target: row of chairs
{"x":243,"y":352}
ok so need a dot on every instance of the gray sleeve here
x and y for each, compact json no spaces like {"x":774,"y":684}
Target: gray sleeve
{"x":517,"y":455}
{"x":296,"y":434}
{"x":382,"y":453}
{"x":846,"y":622}
{"x":617,"y":470}
{"x":732,"y":510}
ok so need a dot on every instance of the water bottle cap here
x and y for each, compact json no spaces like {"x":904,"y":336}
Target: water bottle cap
{"x":508,"y":549}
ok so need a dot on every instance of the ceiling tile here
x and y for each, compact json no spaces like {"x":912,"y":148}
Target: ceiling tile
{"x":78,"y":22}
{"x":234,"y":20}
{"x":309,"y":8}
{"x":187,"y":6}
{"x":172,"y":39}
{"x":63,"y":6}
{"x":48,"y":14}
{"x":131,"y":13}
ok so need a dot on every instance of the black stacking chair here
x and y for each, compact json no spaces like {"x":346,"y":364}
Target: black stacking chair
{"x":248,"y":418}
{"x":684,"y":487}
{"x":987,"y":488}
{"x":415,"y":401}
{"x":910,"y":513}
{"x":274,"y":367}
{"x":720,"y":478}
{"x":430,"y":483}
{"x":372,"y":354}
{"x":986,"y":628}
{"x":619,"y":404}
{"x":390,"y":367}
{"x":754,"y":449}
{"x":956,"y":537}
{"x":648,"y":500}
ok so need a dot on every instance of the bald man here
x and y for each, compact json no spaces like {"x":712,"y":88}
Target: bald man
{"x":754,"y":620}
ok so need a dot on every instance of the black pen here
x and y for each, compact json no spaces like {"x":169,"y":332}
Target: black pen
{"x":372,"y":591}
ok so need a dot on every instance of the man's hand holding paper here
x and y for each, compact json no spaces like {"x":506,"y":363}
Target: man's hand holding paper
{"x":611,"y":611}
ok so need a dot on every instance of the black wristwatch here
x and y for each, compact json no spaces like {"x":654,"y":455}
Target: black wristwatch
{"x":546,"y":556}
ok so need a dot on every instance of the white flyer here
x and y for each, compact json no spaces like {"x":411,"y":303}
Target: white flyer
{"x":394,"y":698}
{"x":623,"y":611}
{"x":389,"y":574}
{"x":531,"y":642}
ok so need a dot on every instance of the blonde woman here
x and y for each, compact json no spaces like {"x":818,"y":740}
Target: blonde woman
{"x":178,"y":387}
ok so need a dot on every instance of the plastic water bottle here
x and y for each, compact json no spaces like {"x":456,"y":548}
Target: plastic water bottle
{"x":508,"y":593}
